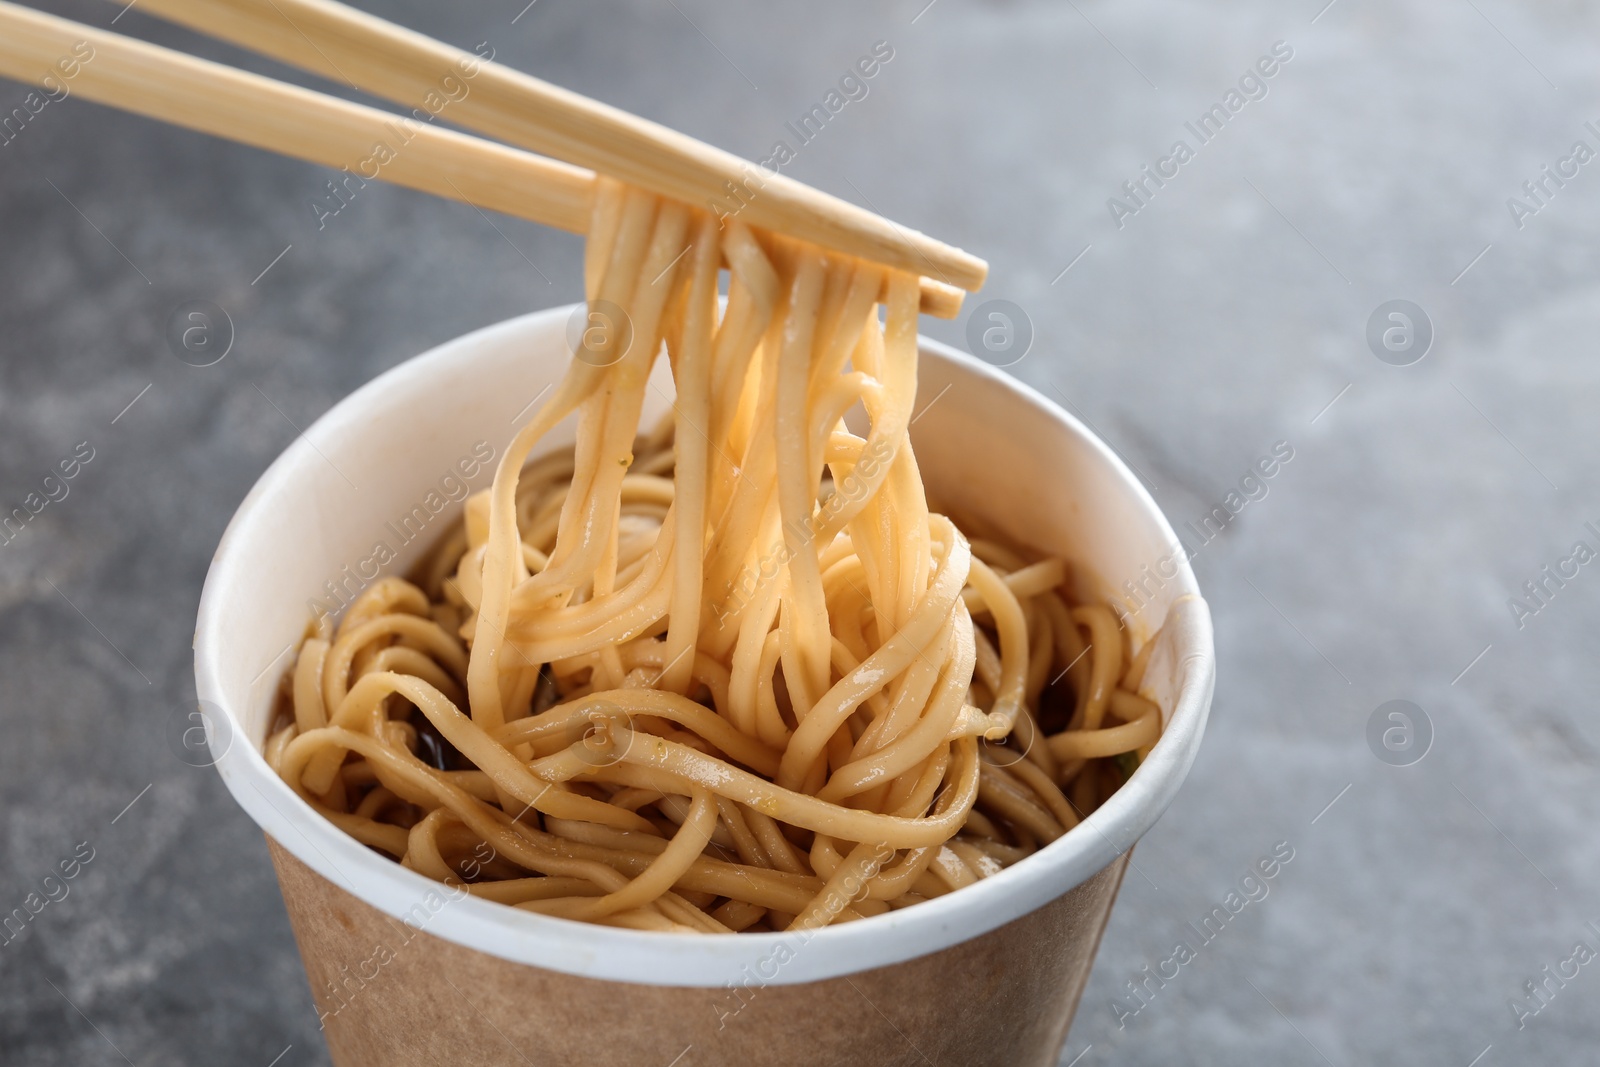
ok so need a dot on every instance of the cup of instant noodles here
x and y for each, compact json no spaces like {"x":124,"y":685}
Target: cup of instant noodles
{"x":407,"y":969}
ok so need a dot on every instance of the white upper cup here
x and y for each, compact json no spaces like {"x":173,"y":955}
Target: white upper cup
{"x":379,"y":479}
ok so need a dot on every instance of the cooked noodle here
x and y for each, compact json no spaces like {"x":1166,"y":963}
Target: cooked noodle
{"x":732,"y":673}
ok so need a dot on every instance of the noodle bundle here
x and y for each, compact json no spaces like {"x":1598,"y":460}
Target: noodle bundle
{"x":730,"y":673}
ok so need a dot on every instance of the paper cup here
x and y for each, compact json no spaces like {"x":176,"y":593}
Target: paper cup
{"x":404,"y":971}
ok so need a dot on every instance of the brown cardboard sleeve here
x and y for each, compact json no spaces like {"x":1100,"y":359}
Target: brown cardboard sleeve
{"x":390,"y":995}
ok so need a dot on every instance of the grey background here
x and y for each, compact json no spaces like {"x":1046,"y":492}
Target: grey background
{"x":1223,"y":317}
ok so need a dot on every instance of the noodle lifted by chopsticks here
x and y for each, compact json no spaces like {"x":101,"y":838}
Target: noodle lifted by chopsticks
{"x":732,"y":674}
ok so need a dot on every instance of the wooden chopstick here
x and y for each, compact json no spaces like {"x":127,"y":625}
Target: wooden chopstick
{"x":387,"y":60}
{"x":251,"y":109}
{"x":200,"y":95}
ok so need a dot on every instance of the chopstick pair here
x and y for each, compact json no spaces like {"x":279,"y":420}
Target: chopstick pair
{"x":378,"y":57}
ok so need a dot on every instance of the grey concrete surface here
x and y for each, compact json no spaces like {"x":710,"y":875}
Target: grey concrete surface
{"x":1226,"y":314}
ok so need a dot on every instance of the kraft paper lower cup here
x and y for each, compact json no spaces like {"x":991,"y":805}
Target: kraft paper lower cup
{"x":406,"y":971}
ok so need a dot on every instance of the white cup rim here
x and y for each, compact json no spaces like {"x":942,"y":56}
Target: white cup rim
{"x":691,"y":959}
